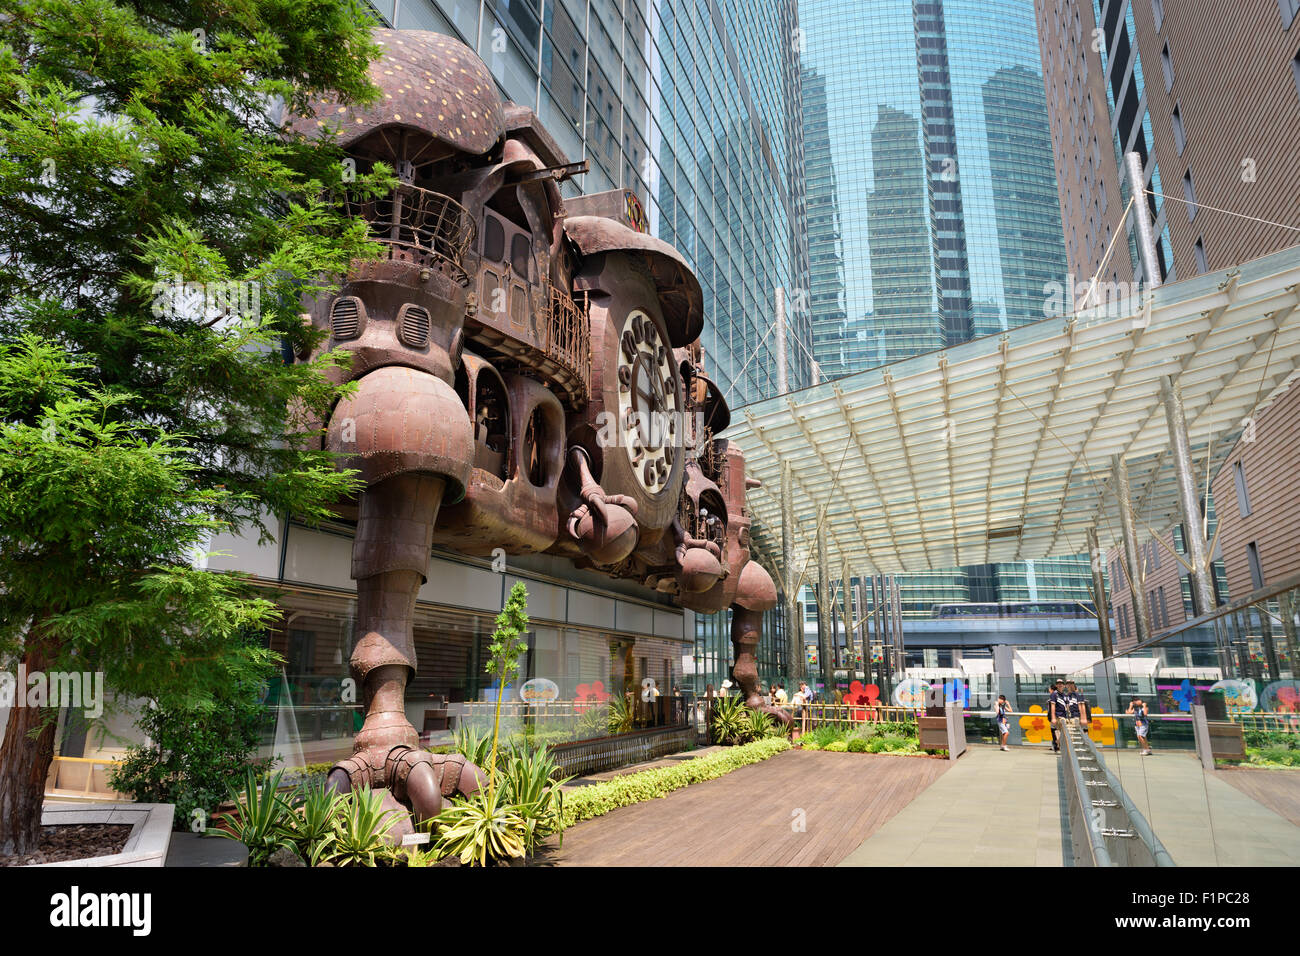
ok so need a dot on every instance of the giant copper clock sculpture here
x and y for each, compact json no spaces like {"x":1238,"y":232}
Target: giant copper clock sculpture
{"x":527,"y":378}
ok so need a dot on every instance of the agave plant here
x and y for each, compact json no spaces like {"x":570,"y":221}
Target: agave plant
{"x":729,"y":720}
{"x":622,"y":715}
{"x":482,"y":828}
{"x":261,"y":821}
{"x":593,"y":722}
{"x":756,"y":725}
{"x":473,"y":745}
{"x":529,"y":784}
{"x":313,"y":821}
{"x":360,"y":829}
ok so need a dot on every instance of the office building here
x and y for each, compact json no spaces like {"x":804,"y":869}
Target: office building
{"x":933,"y":215}
{"x":1209,"y":98}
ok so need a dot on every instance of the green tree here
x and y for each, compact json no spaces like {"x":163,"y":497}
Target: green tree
{"x":144,"y":147}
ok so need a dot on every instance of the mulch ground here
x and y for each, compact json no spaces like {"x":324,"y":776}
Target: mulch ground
{"x":79,"y":842}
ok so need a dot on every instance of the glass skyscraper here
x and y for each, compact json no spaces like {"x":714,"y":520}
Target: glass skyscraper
{"x":933,"y":213}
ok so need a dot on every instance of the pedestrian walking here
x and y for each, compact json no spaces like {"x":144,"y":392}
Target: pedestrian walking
{"x":1003,"y":720}
{"x":1084,"y":711}
{"x":800,"y":702}
{"x":1056,"y":708}
{"x":1141,"y":725}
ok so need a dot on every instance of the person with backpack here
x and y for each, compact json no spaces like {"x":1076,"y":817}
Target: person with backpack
{"x":1003,"y":720}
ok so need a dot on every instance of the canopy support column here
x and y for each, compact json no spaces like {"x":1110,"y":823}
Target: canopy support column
{"x":1099,"y":598}
{"x":794,"y":653}
{"x":1188,"y":497}
{"x":825,"y":612}
{"x":1132,"y":560}
{"x":850,"y":642}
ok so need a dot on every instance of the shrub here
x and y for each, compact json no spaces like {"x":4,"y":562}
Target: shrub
{"x":857,"y":745}
{"x":837,"y":747}
{"x":192,"y":755}
{"x":600,"y":798}
{"x":1275,"y":756}
{"x":1272,"y":740}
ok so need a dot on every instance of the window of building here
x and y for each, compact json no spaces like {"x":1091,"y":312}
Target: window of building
{"x":1167,"y":64}
{"x":1202,"y":264}
{"x":1256,"y":570}
{"x":1158,"y":12}
{"x":1164,"y":608}
{"x":1189,"y":194}
{"x":1243,"y":495}
{"x":1180,"y":137}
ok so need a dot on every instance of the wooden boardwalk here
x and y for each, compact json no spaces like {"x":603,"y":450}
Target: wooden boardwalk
{"x":797,"y":809}
{"x":1279,"y":790}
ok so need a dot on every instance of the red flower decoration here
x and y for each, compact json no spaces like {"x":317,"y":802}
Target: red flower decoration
{"x":593,"y":693}
{"x":867,"y":695}
{"x":1288,"y":698}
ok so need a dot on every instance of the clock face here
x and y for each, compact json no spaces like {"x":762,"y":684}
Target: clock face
{"x":649,"y":408}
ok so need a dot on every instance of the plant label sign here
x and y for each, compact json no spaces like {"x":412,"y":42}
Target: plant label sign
{"x":414,"y":839}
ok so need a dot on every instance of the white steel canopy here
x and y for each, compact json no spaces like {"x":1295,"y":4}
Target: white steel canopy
{"x":1000,"y":449}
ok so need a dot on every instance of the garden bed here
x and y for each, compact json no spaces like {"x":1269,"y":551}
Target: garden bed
{"x":886,"y":737}
{"x":69,"y":843}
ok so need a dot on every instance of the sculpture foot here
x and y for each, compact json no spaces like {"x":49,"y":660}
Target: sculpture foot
{"x":418,"y":781}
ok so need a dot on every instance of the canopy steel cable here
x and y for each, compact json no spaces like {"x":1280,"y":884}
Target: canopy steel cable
{"x":1228,"y":212}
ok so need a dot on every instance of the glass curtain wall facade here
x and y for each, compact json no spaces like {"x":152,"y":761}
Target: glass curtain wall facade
{"x":696,"y":107}
{"x":693,"y":105}
{"x":933,"y":208}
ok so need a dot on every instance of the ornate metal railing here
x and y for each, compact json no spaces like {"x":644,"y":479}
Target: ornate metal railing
{"x":420,"y":225}
{"x":568,"y":337}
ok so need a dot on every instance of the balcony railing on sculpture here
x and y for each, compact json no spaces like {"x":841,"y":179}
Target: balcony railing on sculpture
{"x":567,"y":342}
{"x":420,"y":226}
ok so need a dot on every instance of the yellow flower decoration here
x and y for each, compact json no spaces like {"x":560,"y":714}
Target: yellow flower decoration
{"x":1034,"y":724}
{"x":1102,"y":728}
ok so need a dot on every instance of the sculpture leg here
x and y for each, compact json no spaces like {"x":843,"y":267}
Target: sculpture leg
{"x":389,"y":558}
{"x":746,"y":629}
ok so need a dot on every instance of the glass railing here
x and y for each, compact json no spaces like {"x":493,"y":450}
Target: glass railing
{"x":1219,"y":777}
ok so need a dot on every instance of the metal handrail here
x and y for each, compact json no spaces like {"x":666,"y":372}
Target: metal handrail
{"x":1160,"y":856}
{"x":420,"y":220}
{"x":1078,"y":798}
{"x":568,"y":335}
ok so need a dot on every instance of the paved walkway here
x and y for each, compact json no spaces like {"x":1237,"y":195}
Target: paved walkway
{"x":1279,"y":790}
{"x":796,"y":809}
{"x":992,"y":808}
{"x":1201,"y":819}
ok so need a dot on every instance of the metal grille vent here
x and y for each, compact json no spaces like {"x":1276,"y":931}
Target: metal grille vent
{"x":345,"y":318}
{"x":413,"y":326}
